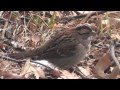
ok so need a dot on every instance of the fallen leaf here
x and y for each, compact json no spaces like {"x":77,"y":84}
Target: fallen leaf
{"x":86,"y":71}
{"x":115,"y":36}
{"x":115,"y":22}
{"x":28,"y":68}
{"x":54,"y":73}
{"x":1,"y":45}
{"x":99,"y":53}
{"x":67,"y":75}
{"x":37,"y":71}
{"x":8,"y":75}
{"x":114,"y":73}
{"x":25,"y":67}
{"x":102,"y":65}
{"x":35,"y":39}
{"x":105,"y":22}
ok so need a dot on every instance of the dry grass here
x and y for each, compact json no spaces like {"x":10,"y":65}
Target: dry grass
{"x":31,"y":29}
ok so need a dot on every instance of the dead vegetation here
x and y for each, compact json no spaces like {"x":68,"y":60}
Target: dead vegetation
{"x":22,"y":30}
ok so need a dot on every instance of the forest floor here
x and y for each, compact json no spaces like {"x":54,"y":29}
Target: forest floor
{"x":24,"y":30}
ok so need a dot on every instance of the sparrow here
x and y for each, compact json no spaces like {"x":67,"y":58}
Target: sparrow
{"x":65,"y":49}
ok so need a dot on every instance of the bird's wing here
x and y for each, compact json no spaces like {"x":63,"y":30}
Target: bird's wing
{"x":61,"y":50}
{"x":59,"y":46}
{"x":66,"y":49}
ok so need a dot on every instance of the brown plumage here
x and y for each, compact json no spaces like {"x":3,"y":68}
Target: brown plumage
{"x":64,"y":50}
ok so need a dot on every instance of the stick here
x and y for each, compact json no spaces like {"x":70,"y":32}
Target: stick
{"x":82,"y":15}
{"x":112,"y":53}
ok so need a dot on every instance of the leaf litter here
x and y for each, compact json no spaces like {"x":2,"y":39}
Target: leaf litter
{"x":31,"y":28}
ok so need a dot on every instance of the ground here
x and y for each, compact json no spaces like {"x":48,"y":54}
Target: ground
{"x":23,"y":30}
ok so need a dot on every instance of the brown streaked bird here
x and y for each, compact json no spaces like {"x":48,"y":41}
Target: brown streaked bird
{"x":65,"y":49}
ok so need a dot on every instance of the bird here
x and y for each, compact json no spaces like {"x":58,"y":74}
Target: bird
{"x":64,"y":50}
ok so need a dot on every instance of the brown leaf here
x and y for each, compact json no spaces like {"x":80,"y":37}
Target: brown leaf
{"x":102,"y":65}
{"x":115,"y":36}
{"x":114,"y":73}
{"x":28,"y":68}
{"x":115,"y":22}
{"x":67,"y":75}
{"x":1,"y":45}
{"x":37,"y":71}
{"x":8,"y":75}
{"x":54,"y":73}
{"x":86,"y":71}
{"x":99,"y":53}
{"x":25,"y":67}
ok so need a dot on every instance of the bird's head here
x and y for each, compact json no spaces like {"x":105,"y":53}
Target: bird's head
{"x":85,"y":31}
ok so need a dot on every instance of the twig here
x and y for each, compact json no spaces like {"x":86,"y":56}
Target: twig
{"x":24,"y":60}
{"x":3,"y":20}
{"x":78,"y":72}
{"x":112,"y":53}
{"x":87,"y":17}
{"x":117,"y":51}
{"x":11,"y":59}
{"x":43,"y":21}
{"x":82,"y":15}
{"x":3,"y":32}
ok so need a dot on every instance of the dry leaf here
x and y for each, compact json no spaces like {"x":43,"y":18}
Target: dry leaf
{"x":37,"y":71}
{"x":86,"y":71}
{"x":105,"y":22}
{"x":1,"y":45}
{"x":25,"y":67}
{"x":35,"y":39}
{"x":99,"y":53}
{"x":114,"y":22}
{"x":67,"y":75}
{"x":115,"y":36}
{"x":111,"y":22}
{"x":102,"y":65}
{"x":58,"y":14}
{"x":8,"y":75}
{"x":114,"y":73}
{"x":54,"y":73}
